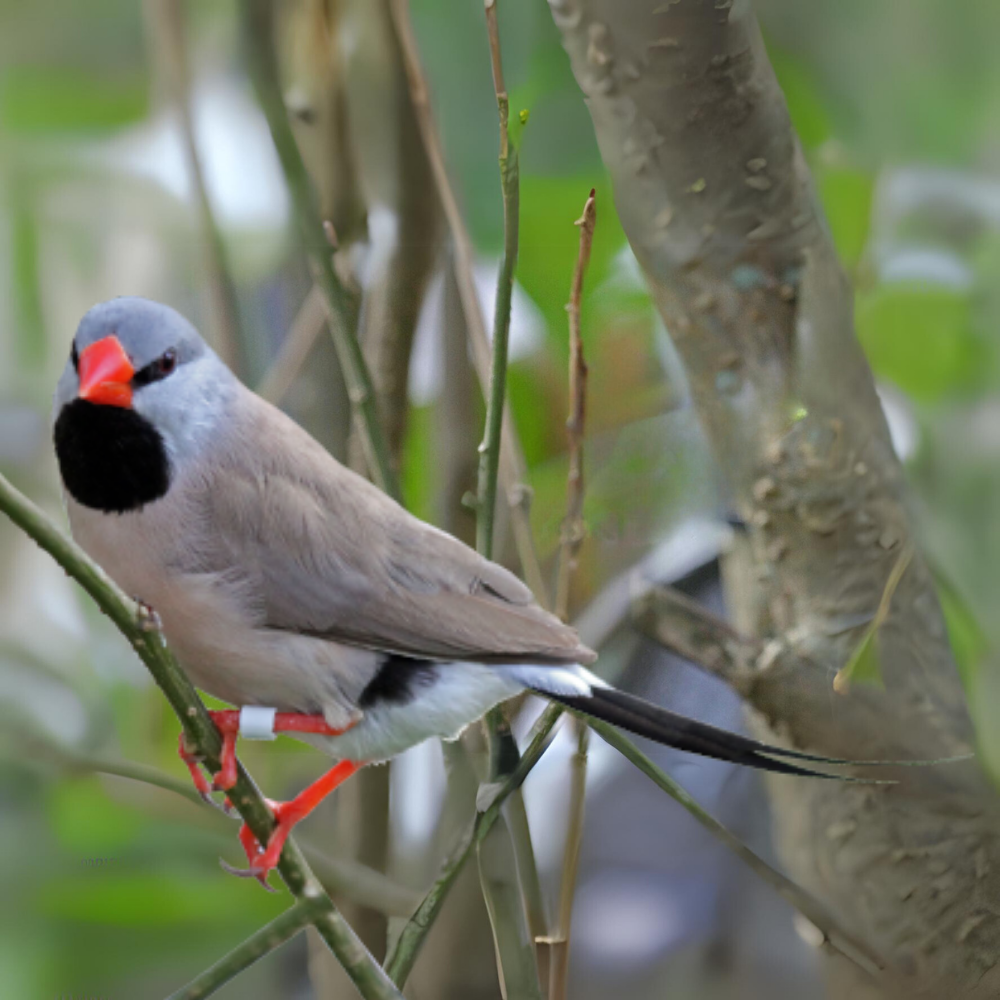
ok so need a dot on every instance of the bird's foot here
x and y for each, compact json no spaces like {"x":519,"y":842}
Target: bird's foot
{"x":262,"y":861}
{"x":229,"y":723}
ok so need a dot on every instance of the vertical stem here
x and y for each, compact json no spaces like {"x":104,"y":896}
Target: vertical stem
{"x":572,"y":538}
{"x":573,"y":527}
{"x":489,"y":450}
{"x":513,"y":467}
{"x":497,"y":857}
{"x":257,"y":28}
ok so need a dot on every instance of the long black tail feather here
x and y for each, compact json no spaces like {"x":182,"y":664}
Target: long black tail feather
{"x":641,"y":717}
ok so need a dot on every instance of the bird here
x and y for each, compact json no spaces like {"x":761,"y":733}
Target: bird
{"x":295,"y":590}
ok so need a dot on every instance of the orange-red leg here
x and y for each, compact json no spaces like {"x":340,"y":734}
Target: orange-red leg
{"x":227,"y":722}
{"x":287,"y":815}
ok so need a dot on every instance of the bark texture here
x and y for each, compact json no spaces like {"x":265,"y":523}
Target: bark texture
{"x":717,"y":203}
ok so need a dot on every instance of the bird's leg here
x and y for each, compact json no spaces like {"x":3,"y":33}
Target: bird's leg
{"x":231,"y":723}
{"x":193,"y":760}
{"x":286,"y":815}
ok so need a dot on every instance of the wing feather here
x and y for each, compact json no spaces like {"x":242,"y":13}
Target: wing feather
{"x":329,"y":554}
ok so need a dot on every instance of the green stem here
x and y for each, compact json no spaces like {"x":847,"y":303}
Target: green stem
{"x":404,"y":955}
{"x":489,"y":450}
{"x":845,"y":943}
{"x":142,"y":631}
{"x":275,"y":934}
{"x":497,"y":849}
{"x":257,"y":29}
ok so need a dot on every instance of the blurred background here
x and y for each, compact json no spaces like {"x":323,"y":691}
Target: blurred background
{"x":134,"y":160}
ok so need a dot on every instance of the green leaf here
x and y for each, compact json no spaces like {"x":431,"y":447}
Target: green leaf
{"x":36,"y":101}
{"x":921,"y":337}
{"x":87,"y":822}
{"x":806,"y":106}
{"x":863,"y":665}
{"x":968,"y":641}
{"x":130,"y":898}
{"x":847,"y":198}
{"x":549,"y":242}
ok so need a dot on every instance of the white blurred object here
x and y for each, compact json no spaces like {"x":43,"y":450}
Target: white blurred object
{"x":626,"y":919}
{"x":527,"y":330}
{"x":418,"y":789}
{"x":242,"y":174}
{"x":903,"y":427}
{"x":932,"y":265}
{"x":905,"y":190}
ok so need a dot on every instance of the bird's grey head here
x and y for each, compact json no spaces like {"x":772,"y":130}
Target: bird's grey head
{"x":136,"y":354}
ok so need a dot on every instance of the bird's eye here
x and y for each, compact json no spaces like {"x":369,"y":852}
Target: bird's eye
{"x":74,"y":356}
{"x":156,"y":370}
{"x":167,"y":363}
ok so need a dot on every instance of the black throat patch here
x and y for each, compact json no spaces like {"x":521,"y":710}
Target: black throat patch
{"x":111,"y":459}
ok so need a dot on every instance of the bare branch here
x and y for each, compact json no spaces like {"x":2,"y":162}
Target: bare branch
{"x":264,"y":941}
{"x":573,"y":526}
{"x":572,"y":538}
{"x":683,"y":626}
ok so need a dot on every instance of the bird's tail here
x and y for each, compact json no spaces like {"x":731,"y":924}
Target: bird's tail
{"x":580,"y":690}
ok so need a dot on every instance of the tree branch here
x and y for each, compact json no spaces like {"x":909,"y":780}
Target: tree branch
{"x":573,"y":527}
{"x":256,"y":25}
{"x":573,"y":534}
{"x":496,"y":852}
{"x":139,"y":626}
{"x":716,"y":200}
{"x":283,"y":928}
{"x":489,"y":450}
{"x":400,"y":962}
{"x":847,"y":944}
{"x":683,"y":626}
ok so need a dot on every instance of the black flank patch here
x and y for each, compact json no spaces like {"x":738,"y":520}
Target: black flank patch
{"x":397,"y":682}
{"x":111,"y":459}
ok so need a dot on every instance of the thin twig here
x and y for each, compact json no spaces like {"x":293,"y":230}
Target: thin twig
{"x":559,"y":961}
{"x":572,"y":538}
{"x":573,"y":527}
{"x":516,"y":961}
{"x":296,"y":347}
{"x":404,"y":955}
{"x":489,"y":450}
{"x":685,"y":627}
{"x":259,"y":944}
{"x":851,"y":947}
{"x":140,"y":627}
{"x":513,"y":467}
{"x":169,"y":37}
{"x":257,"y":29}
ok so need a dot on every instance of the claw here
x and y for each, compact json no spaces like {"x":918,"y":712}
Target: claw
{"x":261,"y":877}
{"x":225,"y":806}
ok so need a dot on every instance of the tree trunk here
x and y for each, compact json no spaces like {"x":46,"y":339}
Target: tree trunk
{"x":717,"y":203}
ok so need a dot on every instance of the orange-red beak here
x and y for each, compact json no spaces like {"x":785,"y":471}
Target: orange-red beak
{"x":106,"y":373}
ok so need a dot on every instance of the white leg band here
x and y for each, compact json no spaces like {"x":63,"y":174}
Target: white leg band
{"x":257,"y":723}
